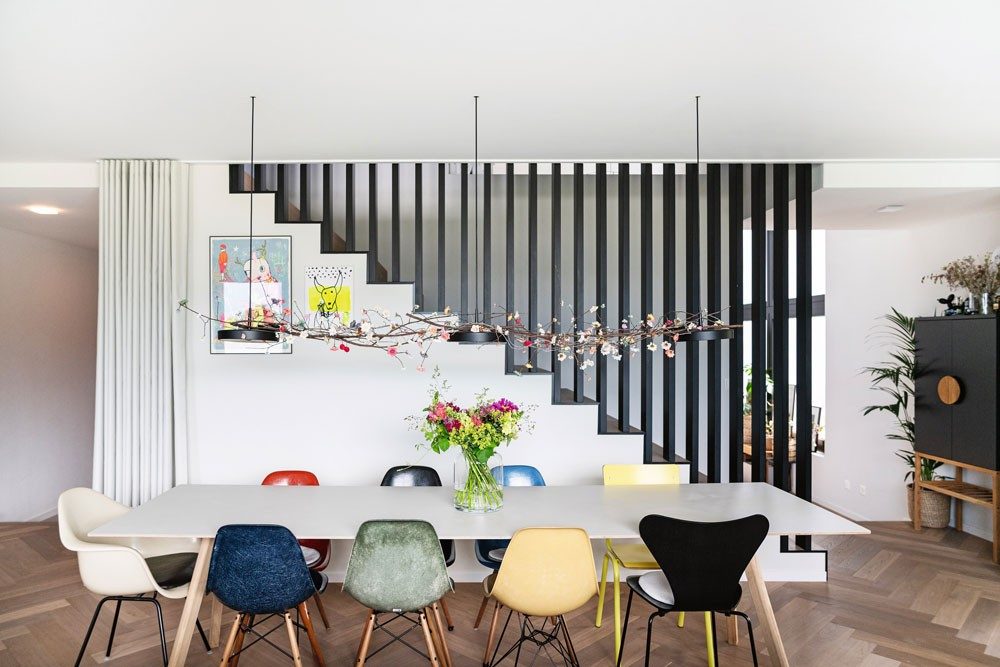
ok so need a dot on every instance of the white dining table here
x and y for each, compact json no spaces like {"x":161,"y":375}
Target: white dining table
{"x":335,"y":512}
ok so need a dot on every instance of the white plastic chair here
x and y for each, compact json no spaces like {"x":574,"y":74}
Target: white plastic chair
{"x":123,"y":569}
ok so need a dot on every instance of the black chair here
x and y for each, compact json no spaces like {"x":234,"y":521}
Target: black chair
{"x":423,"y":476}
{"x":700,"y":569}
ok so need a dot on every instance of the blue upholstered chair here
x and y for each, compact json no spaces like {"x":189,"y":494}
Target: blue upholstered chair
{"x":397,"y":568}
{"x":490,"y":552}
{"x":258,"y":570}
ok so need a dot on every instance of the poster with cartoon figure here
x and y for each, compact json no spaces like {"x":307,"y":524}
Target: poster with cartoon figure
{"x":330,"y":292}
{"x":250,"y":282}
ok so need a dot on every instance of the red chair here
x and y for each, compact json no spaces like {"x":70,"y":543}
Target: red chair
{"x":316,"y":567}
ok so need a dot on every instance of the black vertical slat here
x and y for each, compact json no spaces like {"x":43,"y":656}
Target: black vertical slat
{"x":624,"y":300}
{"x":281,"y":197}
{"x":736,"y":380}
{"x":464,"y":240}
{"x":692,"y":356}
{"x":418,"y":235}
{"x":556,"y":291}
{"x":803,"y":338}
{"x":532,"y":319}
{"x":579,"y":307}
{"x":669,"y":308}
{"x":236,"y":178}
{"x":509,"y":294}
{"x":646,"y":300}
{"x":326,"y":224}
{"x":488,"y":241}
{"x":442,"y":257}
{"x":779,"y":344}
{"x":305,"y":212}
{"x":601,"y":270}
{"x":713,"y":267}
{"x":395,"y":243}
{"x":758,"y":339}
{"x":372,"y":221}
{"x":350,"y":237}
{"x":258,"y":178}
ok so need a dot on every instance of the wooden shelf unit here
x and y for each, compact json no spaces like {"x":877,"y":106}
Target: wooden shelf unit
{"x":961,"y":491}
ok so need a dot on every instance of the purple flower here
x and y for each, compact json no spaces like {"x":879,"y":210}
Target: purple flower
{"x":503,"y":405}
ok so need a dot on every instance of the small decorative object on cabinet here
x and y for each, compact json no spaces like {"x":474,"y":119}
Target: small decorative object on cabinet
{"x":957,"y":387}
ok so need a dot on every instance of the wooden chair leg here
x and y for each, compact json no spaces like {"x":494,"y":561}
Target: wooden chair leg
{"x":244,"y":628}
{"x":447,"y":614}
{"x":366,"y":638}
{"x":492,"y":633}
{"x":296,"y":656}
{"x":482,"y":610}
{"x":231,"y":641}
{"x":322,"y":610}
{"x":311,"y":633}
{"x":430,"y":641}
{"x":445,"y":653}
{"x":732,"y":631}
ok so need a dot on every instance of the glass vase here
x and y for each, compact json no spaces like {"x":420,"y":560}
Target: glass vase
{"x":477,"y":488}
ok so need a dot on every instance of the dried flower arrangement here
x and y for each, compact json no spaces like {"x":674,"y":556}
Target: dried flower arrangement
{"x":968,"y":274}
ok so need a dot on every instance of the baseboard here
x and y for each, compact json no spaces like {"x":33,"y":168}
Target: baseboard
{"x":843,"y":511}
{"x":43,"y":516}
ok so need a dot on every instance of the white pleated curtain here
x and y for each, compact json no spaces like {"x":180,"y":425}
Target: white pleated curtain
{"x":140,"y":429}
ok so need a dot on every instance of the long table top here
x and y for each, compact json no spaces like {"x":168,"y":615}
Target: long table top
{"x":336,"y":512}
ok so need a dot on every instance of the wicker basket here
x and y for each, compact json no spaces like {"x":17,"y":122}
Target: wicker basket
{"x":935,"y":508}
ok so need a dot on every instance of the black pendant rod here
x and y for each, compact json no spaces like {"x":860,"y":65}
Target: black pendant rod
{"x":475,"y":186}
{"x":253,"y":186}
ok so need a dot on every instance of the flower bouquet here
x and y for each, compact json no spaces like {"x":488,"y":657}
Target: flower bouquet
{"x":477,"y":432}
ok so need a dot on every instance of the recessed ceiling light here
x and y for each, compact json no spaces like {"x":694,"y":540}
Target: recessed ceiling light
{"x":890,"y":208}
{"x":44,"y":210}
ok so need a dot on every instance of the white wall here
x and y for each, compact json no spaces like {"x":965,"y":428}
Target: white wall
{"x":47,"y":372}
{"x":867,"y":273}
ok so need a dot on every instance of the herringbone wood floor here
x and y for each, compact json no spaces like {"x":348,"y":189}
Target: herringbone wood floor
{"x":895,"y":597}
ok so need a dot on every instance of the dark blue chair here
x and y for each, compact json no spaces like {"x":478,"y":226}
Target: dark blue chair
{"x":258,"y":570}
{"x":518,"y":475}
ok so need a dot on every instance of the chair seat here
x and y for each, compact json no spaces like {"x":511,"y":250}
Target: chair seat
{"x":320,"y":580}
{"x":656,"y":586}
{"x":172,"y":570}
{"x":633,"y":556}
{"x":497,"y":554}
{"x":310,"y":555}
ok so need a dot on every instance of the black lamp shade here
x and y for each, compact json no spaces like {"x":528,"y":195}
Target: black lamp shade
{"x":248,"y":335}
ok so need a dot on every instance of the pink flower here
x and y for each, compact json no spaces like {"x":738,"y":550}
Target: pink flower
{"x":344,"y":348}
{"x":392,"y":351}
{"x":527,"y":343}
{"x":445,"y":335}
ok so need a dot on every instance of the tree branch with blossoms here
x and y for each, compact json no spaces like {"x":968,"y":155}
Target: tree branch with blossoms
{"x":412,"y":334}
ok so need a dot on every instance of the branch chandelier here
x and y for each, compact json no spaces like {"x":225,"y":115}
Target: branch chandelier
{"x":412,"y":334}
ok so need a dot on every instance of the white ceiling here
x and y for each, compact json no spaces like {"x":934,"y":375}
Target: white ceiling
{"x":76,"y":225}
{"x":569,"y":79}
{"x":856,"y":208}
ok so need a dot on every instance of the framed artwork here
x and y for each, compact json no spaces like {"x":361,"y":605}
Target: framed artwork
{"x":249,"y":281}
{"x":330,"y":295}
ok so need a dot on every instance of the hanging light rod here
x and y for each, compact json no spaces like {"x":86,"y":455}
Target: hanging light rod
{"x":706,"y":330}
{"x":248,"y":332}
{"x":468,"y":333}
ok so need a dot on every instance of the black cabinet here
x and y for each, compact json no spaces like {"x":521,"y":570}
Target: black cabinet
{"x":965,"y":348}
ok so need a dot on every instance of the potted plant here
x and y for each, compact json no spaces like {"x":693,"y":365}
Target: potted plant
{"x":768,"y":408}
{"x":894,"y":379}
{"x":477,"y":433}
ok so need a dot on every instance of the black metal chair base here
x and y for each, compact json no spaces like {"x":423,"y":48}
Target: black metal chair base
{"x":118,"y":599}
{"x":663,"y":612}
{"x":557,"y":637}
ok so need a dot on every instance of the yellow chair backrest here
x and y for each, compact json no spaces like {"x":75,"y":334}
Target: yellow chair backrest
{"x":630,"y":474}
{"x":546,"y":572}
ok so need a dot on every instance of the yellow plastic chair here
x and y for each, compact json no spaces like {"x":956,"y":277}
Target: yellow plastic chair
{"x":545,"y":573}
{"x":636,"y":556}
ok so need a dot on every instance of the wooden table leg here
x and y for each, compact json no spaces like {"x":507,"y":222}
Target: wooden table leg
{"x":765,"y":614}
{"x":215,"y":623}
{"x":192,"y":604}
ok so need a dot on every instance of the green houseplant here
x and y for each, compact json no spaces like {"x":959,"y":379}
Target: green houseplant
{"x":894,"y":379}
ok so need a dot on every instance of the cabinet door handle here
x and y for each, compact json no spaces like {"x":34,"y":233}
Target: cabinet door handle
{"x":949,"y":390}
